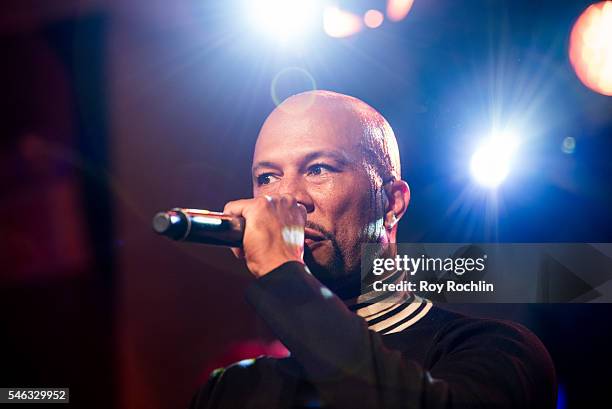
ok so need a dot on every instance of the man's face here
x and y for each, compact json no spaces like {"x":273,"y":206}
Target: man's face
{"x":316,"y":156}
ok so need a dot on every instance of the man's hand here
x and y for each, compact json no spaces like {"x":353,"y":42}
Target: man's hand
{"x":273,"y":234}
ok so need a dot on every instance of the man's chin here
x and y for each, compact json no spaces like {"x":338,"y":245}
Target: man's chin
{"x":327,"y":266}
{"x":319,"y":257}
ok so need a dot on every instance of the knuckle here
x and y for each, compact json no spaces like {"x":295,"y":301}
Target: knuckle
{"x":261,"y":203}
{"x":288,"y":199}
{"x":228,"y":207}
{"x":263,"y":200}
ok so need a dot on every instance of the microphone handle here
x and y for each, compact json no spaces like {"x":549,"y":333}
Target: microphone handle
{"x":200,"y":226}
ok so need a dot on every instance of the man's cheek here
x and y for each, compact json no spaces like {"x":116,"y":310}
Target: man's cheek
{"x":348,"y":237}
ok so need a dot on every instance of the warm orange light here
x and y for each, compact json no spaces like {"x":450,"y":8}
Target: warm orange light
{"x":398,"y":9}
{"x":590,"y":49}
{"x":373,"y":18}
{"x":339,"y":23}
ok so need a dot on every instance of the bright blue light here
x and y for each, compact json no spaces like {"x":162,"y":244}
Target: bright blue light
{"x":492,"y":161}
{"x":284,"y":20}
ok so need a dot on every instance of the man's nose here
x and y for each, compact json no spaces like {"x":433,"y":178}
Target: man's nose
{"x":295,"y":187}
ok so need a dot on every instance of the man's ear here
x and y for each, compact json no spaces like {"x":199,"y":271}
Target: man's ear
{"x":398,"y":197}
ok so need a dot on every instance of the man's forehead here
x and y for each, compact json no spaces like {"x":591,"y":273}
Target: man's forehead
{"x":326,"y":126}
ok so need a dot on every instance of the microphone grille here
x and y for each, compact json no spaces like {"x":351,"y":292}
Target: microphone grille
{"x":161,"y":222}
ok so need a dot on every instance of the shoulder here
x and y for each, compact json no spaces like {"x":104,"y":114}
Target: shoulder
{"x":244,"y":381}
{"x":503,"y":349}
{"x":510,"y":336}
{"x":242,"y":368}
{"x":453,"y":328}
{"x":234,"y":377}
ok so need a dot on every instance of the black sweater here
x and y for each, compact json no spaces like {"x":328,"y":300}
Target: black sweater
{"x":444,"y":360}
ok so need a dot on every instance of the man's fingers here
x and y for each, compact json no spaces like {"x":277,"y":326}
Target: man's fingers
{"x":303,"y":210}
{"x":273,"y":232}
{"x":236,"y":207}
{"x":287,"y":199}
{"x":284,"y":204}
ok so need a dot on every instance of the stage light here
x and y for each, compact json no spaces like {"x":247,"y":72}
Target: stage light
{"x":590,"y":49}
{"x":492,"y":161}
{"x":373,"y":18}
{"x":339,"y":23}
{"x":284,"y":19}
{"x":398,"y":9}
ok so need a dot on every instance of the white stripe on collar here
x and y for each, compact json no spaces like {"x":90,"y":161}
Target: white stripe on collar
{"x":390,"y":312}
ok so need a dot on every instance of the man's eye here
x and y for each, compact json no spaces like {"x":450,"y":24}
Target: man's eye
{"x":265,"y":179}
{"x":319,"y":169}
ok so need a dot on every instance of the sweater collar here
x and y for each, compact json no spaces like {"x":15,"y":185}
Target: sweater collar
{"x":389,"y":312}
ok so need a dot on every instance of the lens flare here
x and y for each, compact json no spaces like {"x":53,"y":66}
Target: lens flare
{"x":590,"y":49}
{"x":373,"y":18}
{"x":398,"y":9}
{"x":339,"y":23}
{"x":290,"y":81}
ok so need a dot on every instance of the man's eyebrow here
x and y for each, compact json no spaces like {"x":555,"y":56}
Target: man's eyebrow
{"x":337,"y":155}
{"x":340,"y":156}
{"x":264,"y":164}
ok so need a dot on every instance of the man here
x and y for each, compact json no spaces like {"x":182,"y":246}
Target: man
{"x":326,"y":176}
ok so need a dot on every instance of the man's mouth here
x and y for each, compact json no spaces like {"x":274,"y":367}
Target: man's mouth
{"x":312,"y":237}
{"x":310,"y":242}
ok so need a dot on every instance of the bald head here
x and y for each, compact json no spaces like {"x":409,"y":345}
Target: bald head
{"x":359,"y":125}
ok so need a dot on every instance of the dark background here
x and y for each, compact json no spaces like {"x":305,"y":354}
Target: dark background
{"x":111,"y":111}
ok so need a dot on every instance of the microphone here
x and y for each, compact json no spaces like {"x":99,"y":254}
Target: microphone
{"x":200,"y":226}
